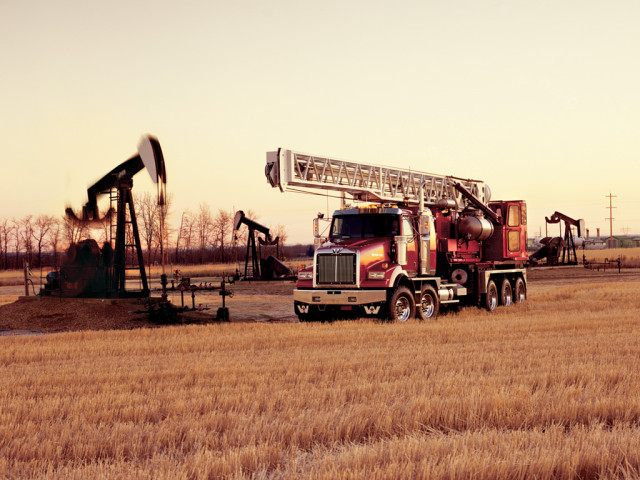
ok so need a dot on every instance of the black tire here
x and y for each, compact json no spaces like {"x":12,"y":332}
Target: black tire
{"x":401,"y":306}
{"x":491,"y":297}
{"x":506,"y":293}
{"x":520,"y":291}
{"x":428,"y":304}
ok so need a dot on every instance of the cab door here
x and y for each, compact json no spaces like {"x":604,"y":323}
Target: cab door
{"x":515,"y":244}
{"x":412,"y":245}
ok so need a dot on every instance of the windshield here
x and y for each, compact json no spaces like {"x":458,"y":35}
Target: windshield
{"x":369,"y":225}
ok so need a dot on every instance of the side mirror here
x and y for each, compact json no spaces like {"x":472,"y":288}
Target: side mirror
{"x":320,"y":226}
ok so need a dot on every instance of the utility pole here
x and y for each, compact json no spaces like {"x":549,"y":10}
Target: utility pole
{"x":611,"y":219}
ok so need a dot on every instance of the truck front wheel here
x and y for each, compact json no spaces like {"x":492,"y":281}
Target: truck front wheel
{"x":402,"y":306}
{"x":428,"y":304}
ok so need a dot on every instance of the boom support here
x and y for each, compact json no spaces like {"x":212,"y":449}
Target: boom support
{"x":287,"y":170}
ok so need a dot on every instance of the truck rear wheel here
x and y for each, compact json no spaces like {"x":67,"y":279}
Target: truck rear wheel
{"x":428,"y":304}
{"x":491,"y":297}
{"x":506,"y":293}
{"x":520,"y":291}
{"x":402,"y":306}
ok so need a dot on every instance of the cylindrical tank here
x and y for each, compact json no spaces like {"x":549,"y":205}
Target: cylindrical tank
{"x":445,"y":294}
{"x":445,"y":203}
{"x":578,"y":241}
{"x":401,"y":246}
{"x":475,"y":228}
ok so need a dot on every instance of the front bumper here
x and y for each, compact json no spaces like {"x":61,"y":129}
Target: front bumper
{"x":339,"y":297}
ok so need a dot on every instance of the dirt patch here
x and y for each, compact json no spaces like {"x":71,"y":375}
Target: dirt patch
{"x":42,"y":314}
{"x":251,"y":302}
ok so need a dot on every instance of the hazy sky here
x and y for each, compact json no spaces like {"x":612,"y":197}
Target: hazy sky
{"x":540,"y":99}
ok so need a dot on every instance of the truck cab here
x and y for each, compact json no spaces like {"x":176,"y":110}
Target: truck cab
{"x":369,"y":251}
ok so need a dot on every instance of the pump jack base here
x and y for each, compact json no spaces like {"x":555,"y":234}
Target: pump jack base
{"x":222,"y":315}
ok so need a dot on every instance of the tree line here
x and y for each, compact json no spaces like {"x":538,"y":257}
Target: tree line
{"x":201,"y":236}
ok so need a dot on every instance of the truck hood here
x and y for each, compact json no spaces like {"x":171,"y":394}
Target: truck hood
{"x":373,"y":249}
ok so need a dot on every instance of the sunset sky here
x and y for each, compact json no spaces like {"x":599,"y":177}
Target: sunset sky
{"x":540,"y":99}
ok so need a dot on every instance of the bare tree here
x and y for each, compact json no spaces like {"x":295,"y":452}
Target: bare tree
{"x":188,"y":232}
{"x":73,"y":230}
{"x":105,"y":227}
{"x":179,"y":233}
{"x":39,"y":232}
{"x":221,"y":229}
{"x":5,"y":233}
{"x":55,"y":235}
{"x":163,"y":231}
{"x":280,"y":232}
{"x":147,"y":211}
{"x":27,"y":237}
{"x":2,"y":247}
{"x":204,"y":222}
{"x":16,"y":230}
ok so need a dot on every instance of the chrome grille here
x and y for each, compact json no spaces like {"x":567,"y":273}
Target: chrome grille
{"x":336,"y":269}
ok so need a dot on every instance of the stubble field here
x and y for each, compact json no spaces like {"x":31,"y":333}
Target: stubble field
{"x":547,"y":389}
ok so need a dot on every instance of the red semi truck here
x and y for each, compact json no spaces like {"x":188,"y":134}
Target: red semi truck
{"x":409,"y":243}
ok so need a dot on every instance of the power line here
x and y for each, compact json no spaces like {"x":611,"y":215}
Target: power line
{"x":611,"y":219}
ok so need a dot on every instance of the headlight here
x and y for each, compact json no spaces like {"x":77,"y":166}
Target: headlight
{"x":305,"y":275}
{"x":376,"y":275}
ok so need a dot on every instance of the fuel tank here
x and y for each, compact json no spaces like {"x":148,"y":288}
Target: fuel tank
{"x":475,"y":228}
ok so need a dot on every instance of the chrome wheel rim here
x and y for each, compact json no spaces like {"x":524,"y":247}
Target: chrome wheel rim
{"x":403,"y":309}
{"x":508,"y":294}
{"x":427,"y":306}
{"x":493,"y":298}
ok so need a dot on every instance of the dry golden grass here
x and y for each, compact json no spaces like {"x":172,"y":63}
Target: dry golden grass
{"x":219,"y":269}
{"x":11,"y":277}
{"x":4,"y":299}
{"x":16,"y":277}
{"x":548,"y":389}
{"x":630,"y":257}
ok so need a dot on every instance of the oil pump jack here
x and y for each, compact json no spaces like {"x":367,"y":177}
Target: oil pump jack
{"x":93,"y":272}
{"x":260,"y":269}
{"x":551,"y":246}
